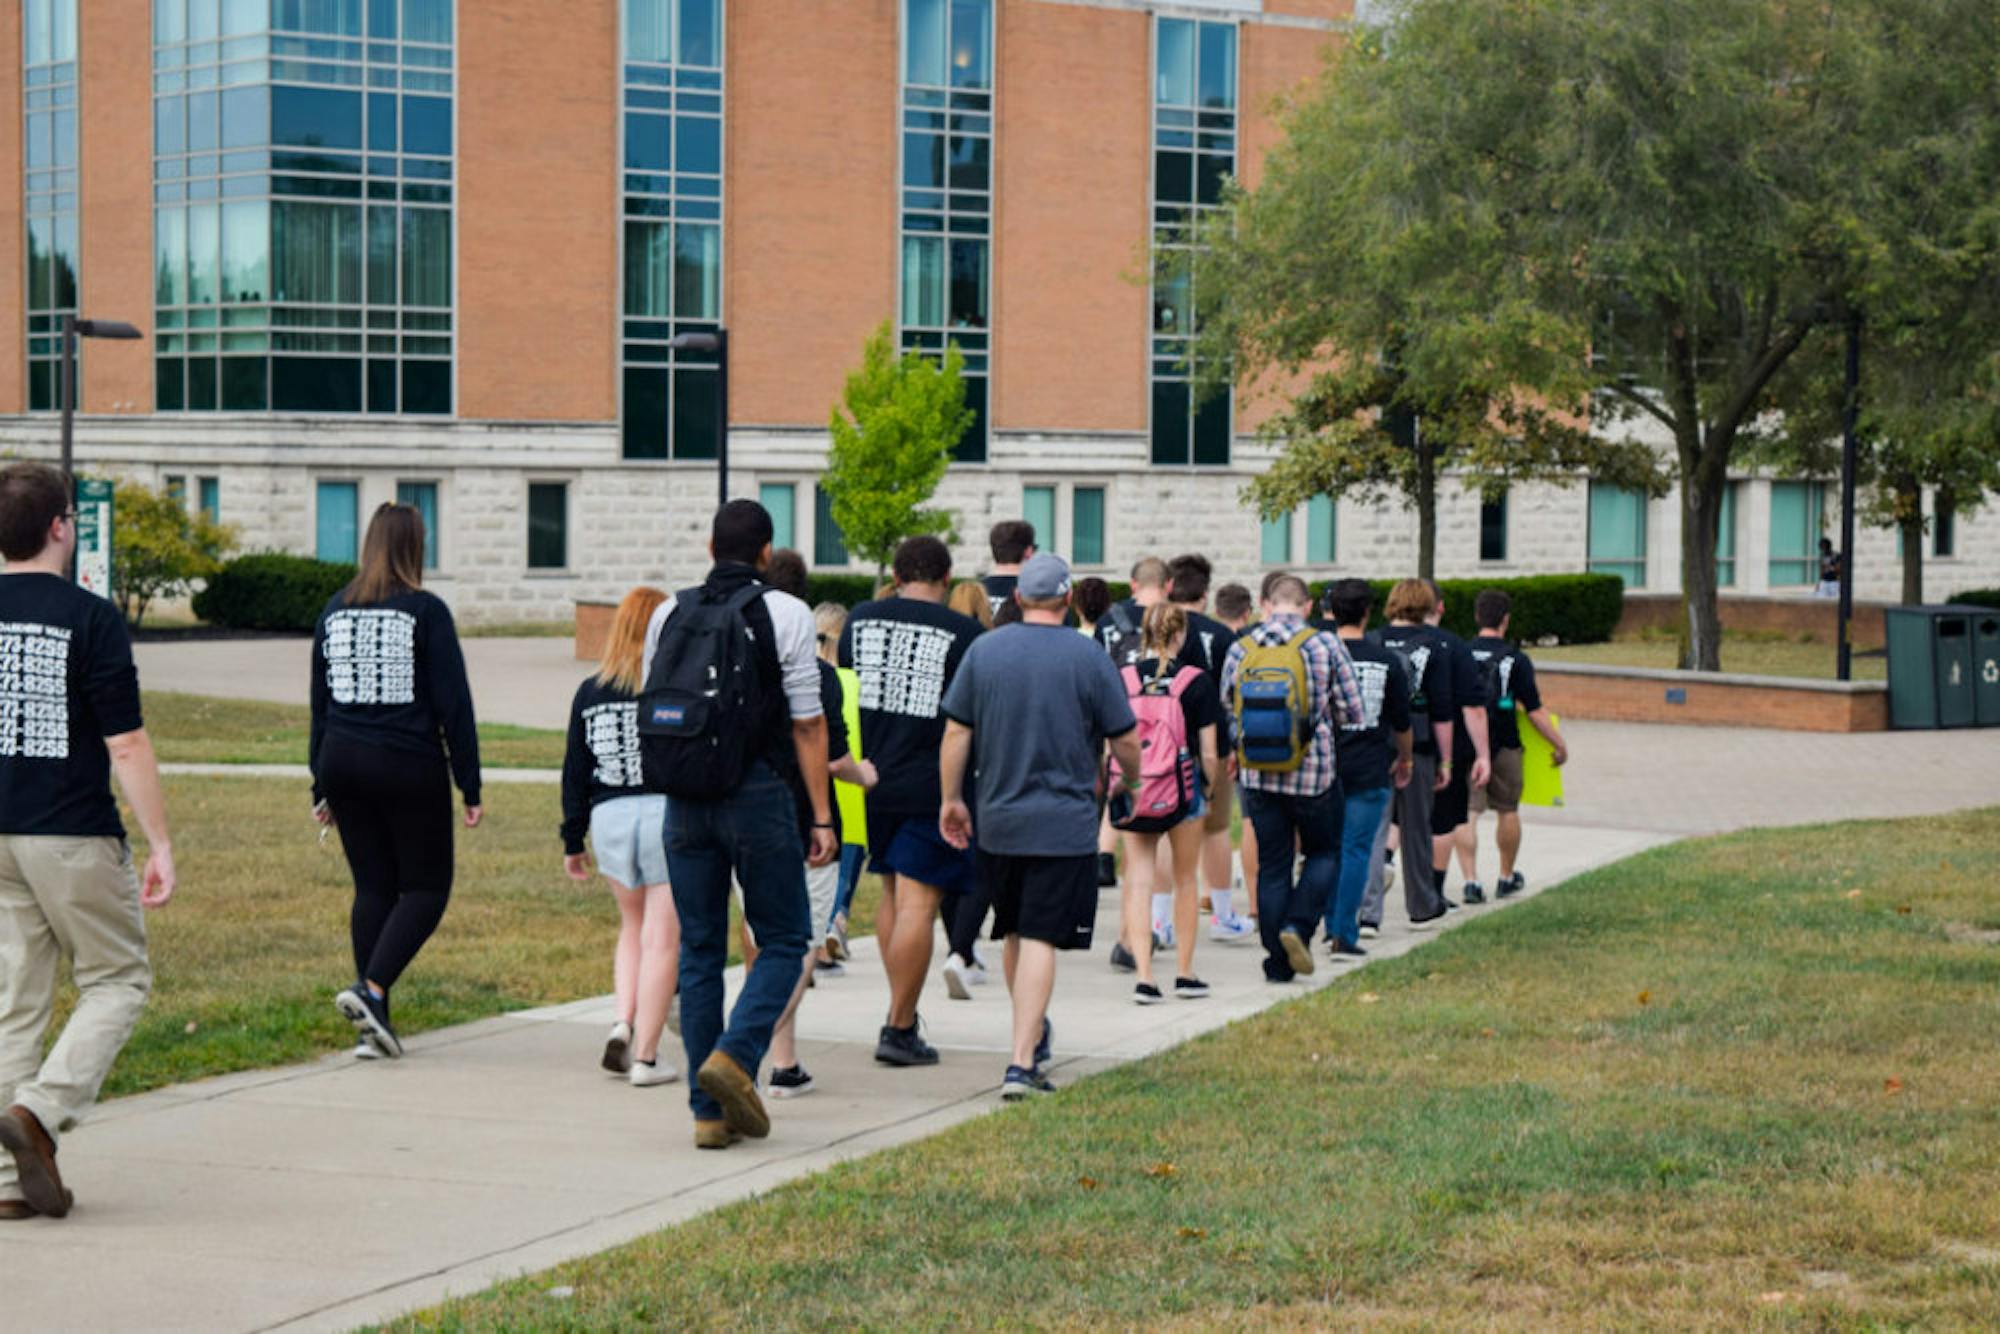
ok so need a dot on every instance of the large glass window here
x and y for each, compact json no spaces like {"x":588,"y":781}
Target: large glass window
{"x":49,"y":198}
{"x":1617,"y":542}
{"x":1038,"y":509}
{"x":1798,"y":517}
{"x":1322,"y":531}
{"x":209,"y":497}
{"x":780,"y":500}
{"x":423,"y":498}
{"x":1194,"y":152}
{"x":1087,"y":525}
{"x":829,"y":543}
{"x":1275,"y":543}
{"x":1944,"y":524}
{"x":1725,"y":539}
{"x":1493,"y":528}
{"x":303,"y":187}
{"x":338,"y":516}
{"x":548,"y":525}
{"x":947,"y":194}
{"x":672,"y":224}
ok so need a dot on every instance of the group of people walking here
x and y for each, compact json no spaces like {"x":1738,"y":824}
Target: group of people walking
{"x":985,"y":748}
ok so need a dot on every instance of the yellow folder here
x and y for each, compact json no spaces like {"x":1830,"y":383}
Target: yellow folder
{"x":1541,"y":781}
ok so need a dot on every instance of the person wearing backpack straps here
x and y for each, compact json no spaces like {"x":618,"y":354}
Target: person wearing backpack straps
{"x":1511,"y":694}
{"x":1288,"y":687}
{"x":1178,"y":711}
{"x":1433,"y":718}
{"x":730,"y":719}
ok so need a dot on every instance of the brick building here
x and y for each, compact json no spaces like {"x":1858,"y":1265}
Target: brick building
{"x":436,"y":249}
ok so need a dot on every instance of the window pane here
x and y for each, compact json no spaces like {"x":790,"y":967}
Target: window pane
{"x":203,"y":20}
{"x":41,"y":242}
{"x":697,"y":272}
{"x":62,"y":29}
{"x":1493,"y":529}
{"x":427,"y":387}
{"x":969,"y":167}
{"x":382,"y":256}
{"x":311,"y":117}
{"x":1218,"y":66}
{"x":548,"y":525}
{"x":334,"y":18}
{"x":169,"y":131}
{"x":1087,"y":521}
{"x":381,"y":123}
{"x":201,"y":384}
{"x":1210,"y":173}
{"x":698,"y":144}
{"x":338,"y":512}
{"x":1173,"y":177}
{"x":427,"y":21}
{"x":1276,"y":545}
{"x":246,"y":250}
{"x":1171,"y":421}
{"x":645,"y":428}
{"x":382,"y":20}
{"x":169,"y":22}
{"x":170,"y":257}
{"x":971,"y":447}
{"x":924,"y":41}
{"x":316,"y":252}
{"x":923,"y":161}
{"x":244,"y":16}
{"x":243,"y":385}
{"x":647,"y":270}
{"x":971,"y":44}
{"x":968,"y":284}
{"x":779,"y":499}
{"x":1794,"y":533}
{"x":923,"y":281}
{"x":202,"y":122}
{"x":1725,"y":539}
{"x":210,"y":498}
{"x":315,"y":384}
{"x":1038,"y":507}
{"x":694,"y":414}
{"x":1175,"y":83}
{"x":1944,"y":525}
{"x":1618,"y":533}
{"x":36,"y":16}
{"x":1321,"y":532}
{"x":423,"y":497}
{"x":426,"y":125}
{"x":62,"y":262}
{"x":646,"y":35}
{"x":204,"y":254}
{"x":1212,"y":426}
{"x":829,"y":543}
{"x":701,"y":33}
{"x":246,"y":117}
{"x":426,"y":257}
{"x":648,"y":145}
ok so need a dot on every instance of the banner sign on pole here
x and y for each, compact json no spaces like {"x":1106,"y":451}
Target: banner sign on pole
{"x":93,"y":536}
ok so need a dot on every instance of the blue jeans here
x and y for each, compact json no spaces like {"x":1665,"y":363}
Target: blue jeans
{"x":1310,"y":825}
{"x":852,"y":858}
{"x":753,"y":832}
{"x":1361,"y":825}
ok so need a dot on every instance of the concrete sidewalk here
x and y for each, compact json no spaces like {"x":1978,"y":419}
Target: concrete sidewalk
{"x":327,"y":1195}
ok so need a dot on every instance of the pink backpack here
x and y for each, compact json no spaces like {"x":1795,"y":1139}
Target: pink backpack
{"x":1166,"y":767}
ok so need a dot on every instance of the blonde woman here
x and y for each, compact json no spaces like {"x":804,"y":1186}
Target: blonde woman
{"x":968,"y":598}
{"x":602,"y":792}
{"x":1178,"y":710}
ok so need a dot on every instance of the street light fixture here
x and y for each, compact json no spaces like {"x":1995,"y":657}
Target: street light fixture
{"x":718,"y":344}
{"x":73,"y":329}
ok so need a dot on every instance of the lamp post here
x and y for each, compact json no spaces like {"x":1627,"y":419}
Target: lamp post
{"x":73,"y":329}
{"x":717,"y":343}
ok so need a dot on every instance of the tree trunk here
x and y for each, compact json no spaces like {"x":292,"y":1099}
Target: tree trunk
{"x":1427,"y":515}
{"x":1704,"y":472}
{"x":1910,"y":527}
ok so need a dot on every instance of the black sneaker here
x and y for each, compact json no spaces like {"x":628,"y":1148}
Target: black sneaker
{"x":1107,"y":869}
{"x":1122,"y":960}
{"x":1511,"y":885}
{"x":1474,"y":892}
{"x":791,"y":1082}
{"x":369,"y":1014}
{"x":1146,"y":994}
{"x":1343,"y":949}
{"x":1046,"y":1047}
{"x":1023,"y":1084}
{"x":904,"y":1046}
{"x":1190,"y":988}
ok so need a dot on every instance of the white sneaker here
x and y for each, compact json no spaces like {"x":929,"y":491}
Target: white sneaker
{"x":645,"y":1076}
{"x":1163,"y":932}
{"x":1234,"y":930}
{"x":975,"y":972}
{"x":366,"y":1052}
{"x":1370,"y":932}
{"x":955,"y":982}
{"x":618,"y":1048}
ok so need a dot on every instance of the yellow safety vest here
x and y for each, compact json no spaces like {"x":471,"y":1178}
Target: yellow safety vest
{"x":853,"y":805}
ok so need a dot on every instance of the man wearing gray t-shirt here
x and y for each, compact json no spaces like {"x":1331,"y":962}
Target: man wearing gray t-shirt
{"x":1043,"y":701}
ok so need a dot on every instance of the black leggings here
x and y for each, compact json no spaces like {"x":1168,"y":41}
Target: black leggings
{"x":965,"y":917}
{"x":394,"y":813}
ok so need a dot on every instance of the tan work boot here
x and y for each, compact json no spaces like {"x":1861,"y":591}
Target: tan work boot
{"x":714,"y":1135}
{"x":722,"y":1079}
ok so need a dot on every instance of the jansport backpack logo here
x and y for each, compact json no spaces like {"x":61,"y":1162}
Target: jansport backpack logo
{"x":1166,"y":766}
{"x":704,"y":707}
{"x":1272,"y":705}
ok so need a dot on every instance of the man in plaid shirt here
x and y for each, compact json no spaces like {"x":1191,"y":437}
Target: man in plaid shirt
{"x":1300,"y":809}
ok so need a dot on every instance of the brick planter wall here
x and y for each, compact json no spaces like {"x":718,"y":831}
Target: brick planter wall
{"x":593,"y":627}
{"x":1639,"y":695}
{"x":1794,"y":618}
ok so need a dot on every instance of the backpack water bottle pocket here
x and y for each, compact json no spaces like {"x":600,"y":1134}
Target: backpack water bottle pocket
{"x":1268,"y":728}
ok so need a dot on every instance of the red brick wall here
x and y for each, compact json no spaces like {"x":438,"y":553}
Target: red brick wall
{"x":1712,"y":703}
{"x":1073,"y":175}
{"x":1795,"y":618}
{"x":539,"y":287}
{"x":115,"y":145}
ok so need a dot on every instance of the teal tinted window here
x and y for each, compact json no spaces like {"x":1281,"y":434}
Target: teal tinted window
{"x":1275,"y":544}
{"x":781,"y":500}
{"x":427,"y":125}
{"x":423,"y":498}
{"x":1797,"y":520}
{"x":427,"y":21}
{"x":829,"y":543}
{"x":1038,"y":508}
{"x":210,"y":497}
{"x":1322,"y":536}
{"x":924,"y":42}
{"x":1087,"y":525}
{"x":48,"y":120}
{"x":700,"y":33}
{"x":1618,"y":533}
{"x":310,"y":117}
{"x":338,"y":516}
{"x":1725,"y":539}
{"x":1174,"y":63}
{"x":332,"y":18}
{"x":548,"y":525}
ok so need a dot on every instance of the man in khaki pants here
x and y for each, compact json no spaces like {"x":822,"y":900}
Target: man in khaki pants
{"x":69,"y":715}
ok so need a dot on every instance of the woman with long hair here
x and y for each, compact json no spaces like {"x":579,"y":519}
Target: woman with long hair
{"x":392,"y":730}
{"x":603,"y":792}
{"x":1172,"y":799}
{"x":968,"y":598}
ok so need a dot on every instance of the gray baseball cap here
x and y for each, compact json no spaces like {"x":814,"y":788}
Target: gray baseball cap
{"x":1045,"y":576}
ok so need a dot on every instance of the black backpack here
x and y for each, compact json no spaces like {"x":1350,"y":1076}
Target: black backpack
{"x":1121,"y":635}
{"x":704,"y":712}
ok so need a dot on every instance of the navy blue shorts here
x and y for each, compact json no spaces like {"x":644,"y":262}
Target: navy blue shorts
{"x":910,"y":845}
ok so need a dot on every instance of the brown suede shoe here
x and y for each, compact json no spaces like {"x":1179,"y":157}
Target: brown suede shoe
{"x":722,"y":1079}
{"x":13,"y":1211}
{"x":35,"y":1159}
{"x":714,"y":1135}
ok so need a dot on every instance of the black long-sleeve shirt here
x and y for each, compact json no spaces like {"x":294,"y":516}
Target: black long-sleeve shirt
{"x":601,"y":760}
{"x":392,"y":675}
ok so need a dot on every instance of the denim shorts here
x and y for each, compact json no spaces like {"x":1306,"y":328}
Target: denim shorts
{"x":628,"y":835}
{"x":912,"y":846}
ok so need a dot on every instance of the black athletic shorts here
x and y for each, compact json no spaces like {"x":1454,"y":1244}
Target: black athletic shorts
{"x":1448,"y":807}
{"x":1050,"y":899}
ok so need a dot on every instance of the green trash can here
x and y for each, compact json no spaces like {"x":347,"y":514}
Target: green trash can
{"x":1931,"y":671}
{"x":1986,"y":664}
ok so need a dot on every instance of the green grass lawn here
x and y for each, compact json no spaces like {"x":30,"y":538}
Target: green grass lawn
{"x":1740,"y":1081}
{"x":247,"y":957}
{"x":197,"y":729}
{"x":1752,"y":655}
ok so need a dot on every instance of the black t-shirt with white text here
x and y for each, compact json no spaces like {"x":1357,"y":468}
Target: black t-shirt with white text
{"x":1000,"y":590}
{"x":1367,"y":749}
{"x":1431,"y":677}
{"x":1510,"y":685}
{"x":601,"y":759}
{"x":66,"y":683}
{"x":904,"y":653}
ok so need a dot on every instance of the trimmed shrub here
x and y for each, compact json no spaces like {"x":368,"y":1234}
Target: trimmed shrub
{"x":271,"y":591}
{"x":1575,"y":608}
{"x":1979,"y":597}
{"x":849,"y":590}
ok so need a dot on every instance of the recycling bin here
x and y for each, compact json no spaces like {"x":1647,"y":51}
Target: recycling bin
{"x":1986,"y":665}
{"x":1932,"y":675}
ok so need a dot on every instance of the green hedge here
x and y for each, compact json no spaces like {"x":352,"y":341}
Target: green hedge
{"x":851,"y":590}
{"x":1979,"y":597}
{"x":1575,"y":608}
{"x":271,"y":591}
